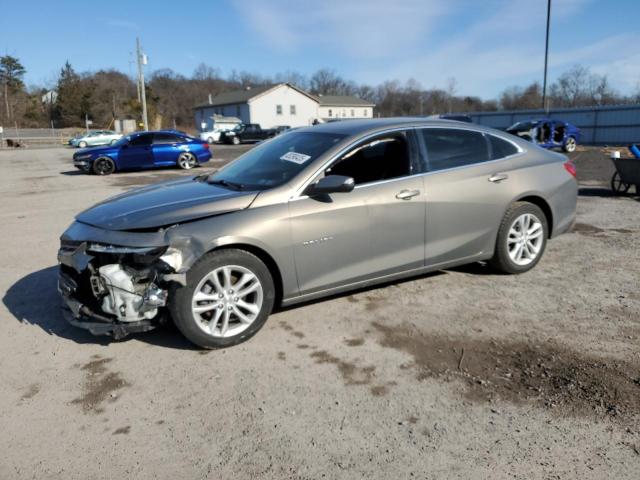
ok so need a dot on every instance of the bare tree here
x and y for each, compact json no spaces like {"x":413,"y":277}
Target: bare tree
{"x":11,"y":73}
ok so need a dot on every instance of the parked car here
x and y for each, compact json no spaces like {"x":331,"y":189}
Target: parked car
{"x":548,"y":133}
{"x":144,"y":150}
{"x":315,"y":212}
{"x":213,"y":135}
{"x":95,"y":138}
{"x":250,"y":132}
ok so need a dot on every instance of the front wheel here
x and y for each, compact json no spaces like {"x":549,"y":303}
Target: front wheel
{"x":569,"y":145}
{"x":103,"y":166}
{"x":235,"y":140}
{"x":210,"y":140}
{"x":187,"y":160}
{"x":82,"y":144}
{"x":228,"y":297}
{"x":522,"y":238}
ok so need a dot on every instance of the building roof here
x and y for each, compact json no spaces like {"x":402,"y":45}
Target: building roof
{"x":236,"y":96}
{"x":342,"y":101}
{"x":244,"y":96}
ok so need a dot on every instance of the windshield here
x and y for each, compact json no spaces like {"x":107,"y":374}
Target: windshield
{"x":276,"y":161}
{"x":521,"y":127}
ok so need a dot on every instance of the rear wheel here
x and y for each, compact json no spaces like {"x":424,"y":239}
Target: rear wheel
{"x":618,"y":186}
{"x":522,"y":238}
{"x":210,"y":140}
{"x":187,"y":160}
{"x":228,"y":297}
{"x":103,"y":166}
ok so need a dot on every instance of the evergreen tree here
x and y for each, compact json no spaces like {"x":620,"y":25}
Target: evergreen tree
{"x":11,"y":73}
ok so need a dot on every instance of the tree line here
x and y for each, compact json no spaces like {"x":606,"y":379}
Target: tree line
{"x":105,"y":95}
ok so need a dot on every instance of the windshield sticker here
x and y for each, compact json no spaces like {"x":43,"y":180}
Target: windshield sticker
{"x":295,"y":157}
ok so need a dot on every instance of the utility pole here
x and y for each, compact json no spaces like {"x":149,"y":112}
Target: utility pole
{"x":546,"y":60}
{"x":142,"y":60}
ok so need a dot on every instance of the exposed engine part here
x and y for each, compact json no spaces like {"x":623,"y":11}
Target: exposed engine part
{"x":127,"y":300}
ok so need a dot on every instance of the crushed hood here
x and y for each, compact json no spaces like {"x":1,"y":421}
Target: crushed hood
{"x":165,"y":203}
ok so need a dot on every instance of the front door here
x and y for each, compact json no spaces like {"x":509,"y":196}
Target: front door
{"x":376,"y":229}
{"x":137,"y":153}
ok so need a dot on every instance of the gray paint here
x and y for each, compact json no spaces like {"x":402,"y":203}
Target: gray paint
{"x":350,"y":239}
{"x":605,"y":125}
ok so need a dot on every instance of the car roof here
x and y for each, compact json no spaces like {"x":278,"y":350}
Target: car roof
{"x":357,"y":127}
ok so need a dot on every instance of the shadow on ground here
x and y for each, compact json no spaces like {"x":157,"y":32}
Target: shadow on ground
{"x":34,"y":300}
{"x":605,"y":193}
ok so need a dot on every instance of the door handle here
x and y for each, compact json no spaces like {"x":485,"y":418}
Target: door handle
{"x":498,"y":177}
{"x":407,"y":194}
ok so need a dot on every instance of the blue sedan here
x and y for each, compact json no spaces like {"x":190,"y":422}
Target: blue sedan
{"x":144,"y":150}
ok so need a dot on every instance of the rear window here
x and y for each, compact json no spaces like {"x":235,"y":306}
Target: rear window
{"x":450,"y":148}
{"x":501,"y":148}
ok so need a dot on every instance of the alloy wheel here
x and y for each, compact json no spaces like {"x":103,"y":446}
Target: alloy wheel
{"x":570,"y":145}
{"x":187,"y":160}
{"x":227,"y":301}
{"x":525,"y":239}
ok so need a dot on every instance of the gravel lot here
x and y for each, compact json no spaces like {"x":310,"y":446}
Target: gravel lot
{"x":458,"y":374}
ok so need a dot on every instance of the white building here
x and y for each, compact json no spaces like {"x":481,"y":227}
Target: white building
{"x":281,"y":104}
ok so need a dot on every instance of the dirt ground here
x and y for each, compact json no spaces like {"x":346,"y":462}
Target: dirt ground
{"x":458,"y":374}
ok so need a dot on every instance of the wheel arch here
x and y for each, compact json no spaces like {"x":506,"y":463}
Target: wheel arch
{"x":541,"y":203}
{"x":265,"y":257}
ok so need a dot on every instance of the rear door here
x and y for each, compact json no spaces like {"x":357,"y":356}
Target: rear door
{"x":376,"y":229}
{"x":166,"y":148}
{"x":137,"y":153}
{"x":468,"y":188}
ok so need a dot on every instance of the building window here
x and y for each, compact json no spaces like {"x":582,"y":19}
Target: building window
{"x":292,"y":109}
{"x":330,"y":113}
{"x":364,"y":112}
{"x":278,"y":109}
{"x":353,"y":112}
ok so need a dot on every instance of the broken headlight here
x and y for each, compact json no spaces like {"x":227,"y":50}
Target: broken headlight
{"x":173,"y":258}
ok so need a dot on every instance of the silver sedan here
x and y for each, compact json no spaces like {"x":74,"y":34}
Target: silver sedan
{"x":311,"y":213}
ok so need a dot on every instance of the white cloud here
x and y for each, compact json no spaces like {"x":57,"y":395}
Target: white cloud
{"x":355,"y":28}
{"x":485,"y":45}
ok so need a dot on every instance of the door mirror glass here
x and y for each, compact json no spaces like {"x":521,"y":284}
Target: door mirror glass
{"x":331,"y":184}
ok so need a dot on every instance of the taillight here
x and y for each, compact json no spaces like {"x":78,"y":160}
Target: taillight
{"x":570,"y":167}
{"x":206,"y":145}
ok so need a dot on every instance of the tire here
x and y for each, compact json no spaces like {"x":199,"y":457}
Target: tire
{"x":187,"y":160}
{"x":103,"y":166}
{"x":618,"y":186}
{"x":210,"y":140}
{"x":207,"y":328}
{"x":113,"y":142}
{"x":82,"y":145}
{"x":235,"y":140}
{"x":569,"y":145}
{"x":509,"y":245}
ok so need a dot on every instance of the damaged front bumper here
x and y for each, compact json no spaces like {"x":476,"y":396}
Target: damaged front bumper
{"x":115,"y":290}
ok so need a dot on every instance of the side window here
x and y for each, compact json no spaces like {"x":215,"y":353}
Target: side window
{"x":449,"y":148}
{"x":501,"y":148}
{"x":141,"y":141}
{"x":380,"y":159}
{"x":165,"y":138}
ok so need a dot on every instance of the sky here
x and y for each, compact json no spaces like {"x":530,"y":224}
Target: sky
{"x":486,"y":45}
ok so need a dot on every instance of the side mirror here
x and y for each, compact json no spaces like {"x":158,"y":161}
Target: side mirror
{"x":331,"y":184}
